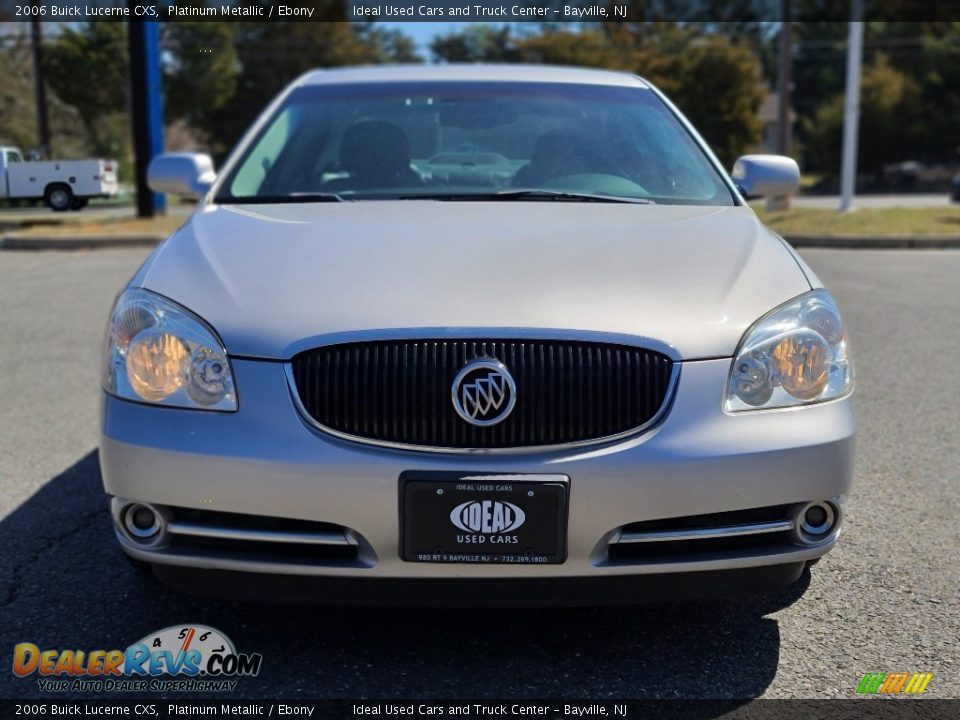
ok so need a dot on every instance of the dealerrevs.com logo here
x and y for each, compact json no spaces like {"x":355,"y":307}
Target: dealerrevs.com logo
{"x":180,"y":658}
{"x":487,"y":516}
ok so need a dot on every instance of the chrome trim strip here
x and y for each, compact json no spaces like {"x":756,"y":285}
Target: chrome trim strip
{"x":704,"y":533}
{"x":365,"y":567}
{"x":517,"y":450}
{"x":517,"y":477}
{"x":469,"y":332}
{"x":281,"y":536}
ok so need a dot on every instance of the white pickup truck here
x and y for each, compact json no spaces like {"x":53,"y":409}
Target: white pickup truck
{"x":62,"y":184}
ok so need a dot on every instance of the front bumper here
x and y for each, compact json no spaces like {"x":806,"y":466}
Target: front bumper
{"x":266,"y":460}
{"x":736,"y":583}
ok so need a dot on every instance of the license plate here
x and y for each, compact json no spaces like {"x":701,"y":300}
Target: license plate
{"x":484,"y":518}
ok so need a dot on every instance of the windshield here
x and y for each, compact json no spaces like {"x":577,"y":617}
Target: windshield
{"x":474,"y":140}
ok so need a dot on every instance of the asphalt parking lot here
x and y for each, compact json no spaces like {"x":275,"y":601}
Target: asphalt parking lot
{"x":885,"y":600}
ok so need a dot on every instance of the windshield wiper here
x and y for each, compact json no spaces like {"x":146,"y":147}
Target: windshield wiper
{"x":499,"y":196}
{"x":304,"y":197}
{"x":531,"y":194}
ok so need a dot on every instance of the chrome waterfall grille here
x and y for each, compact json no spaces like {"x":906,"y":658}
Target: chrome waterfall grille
{"x":482,"y":394}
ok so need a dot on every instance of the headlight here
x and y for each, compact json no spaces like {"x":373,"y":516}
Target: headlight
{"x":795,"y":355}
{"x":159,"y":352}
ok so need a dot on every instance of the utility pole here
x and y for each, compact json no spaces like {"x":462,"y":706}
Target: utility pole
{"x":784,"y":81}
{"x":39,"y":89}
{"x":851,"y":107}
{"x":146,"y":102}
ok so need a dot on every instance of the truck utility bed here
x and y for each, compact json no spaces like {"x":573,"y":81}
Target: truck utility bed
{"x":62,"y":184}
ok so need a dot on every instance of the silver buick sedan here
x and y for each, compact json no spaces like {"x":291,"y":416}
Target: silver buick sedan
{"x":475,"y":335}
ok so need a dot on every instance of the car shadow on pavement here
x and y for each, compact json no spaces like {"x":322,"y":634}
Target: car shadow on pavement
{"x":65,"y":584}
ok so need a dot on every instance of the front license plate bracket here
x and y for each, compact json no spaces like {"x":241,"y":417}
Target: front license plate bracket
{"x":483,"y":518}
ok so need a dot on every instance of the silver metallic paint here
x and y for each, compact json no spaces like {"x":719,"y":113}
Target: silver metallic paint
{"x":275,"y":280}
{"x":265,"y":459}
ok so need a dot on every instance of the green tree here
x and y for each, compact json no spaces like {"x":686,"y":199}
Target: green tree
{"x":477,"y":43}
{"x":200,"y":75}
{"x":388,"y":46}
{"x":18,"y":125}
{"x":717,"y":83}
{"x":889,"y":112}
{"x":270,"y":55}
{"x":18,"y":119}
{"x":938,"y":76}
{"x":86,"y":68}
{"x":920,"y":46}
{"x":589,"y":48}
{"x":715,"y":80}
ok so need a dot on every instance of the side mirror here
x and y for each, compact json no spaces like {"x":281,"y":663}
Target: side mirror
{"x":766,"y":176}
{"x":185,"y":174}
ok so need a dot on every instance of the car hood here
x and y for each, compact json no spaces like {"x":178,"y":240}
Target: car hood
{"x":275,"y":279}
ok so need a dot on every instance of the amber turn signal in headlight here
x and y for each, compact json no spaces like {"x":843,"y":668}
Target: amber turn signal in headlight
{"x":155,"y":364}
{"x":795,"y":355}
{"x":159,"y":352}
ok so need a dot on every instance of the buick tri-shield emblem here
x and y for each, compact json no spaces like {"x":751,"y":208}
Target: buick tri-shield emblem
{"x":484,"y":392}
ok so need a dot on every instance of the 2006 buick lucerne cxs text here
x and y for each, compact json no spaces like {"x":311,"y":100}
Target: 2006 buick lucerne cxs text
{"x":476,"y":335}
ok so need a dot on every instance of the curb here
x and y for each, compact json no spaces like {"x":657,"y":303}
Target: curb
{"x":892,"y":242}
{"x":14,"y":242}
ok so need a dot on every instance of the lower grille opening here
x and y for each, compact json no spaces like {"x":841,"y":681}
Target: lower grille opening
{"x":693,"y":549}
{"x":259,"y":550}
{"x":254,"y":537}
{"x":251,"y":522}
{"x":703,"y":537}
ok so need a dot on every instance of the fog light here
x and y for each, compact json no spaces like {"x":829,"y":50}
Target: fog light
{"x":142,"y":522}
{"x":815,"y":517}
{"x":815,"y":522}
{"x":143,"y":518}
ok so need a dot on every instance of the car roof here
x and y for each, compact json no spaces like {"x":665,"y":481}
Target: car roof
{"x":471,"y":73}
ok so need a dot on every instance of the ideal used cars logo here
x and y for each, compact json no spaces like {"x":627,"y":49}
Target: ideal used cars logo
{"x":487,"y":516}
{"x":196,"y":656}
